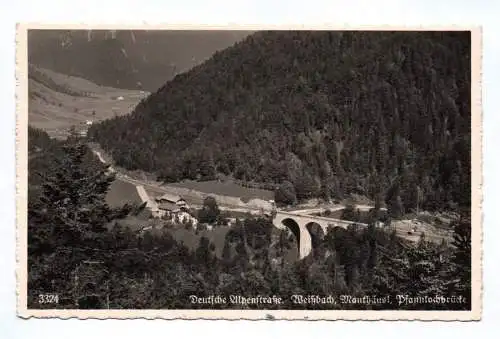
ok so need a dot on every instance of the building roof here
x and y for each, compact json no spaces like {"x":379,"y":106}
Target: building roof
{"x":170,"y":197}
{"x":150,"y":203}
{"x":167,"y":206}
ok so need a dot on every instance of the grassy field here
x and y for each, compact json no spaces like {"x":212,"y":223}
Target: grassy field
{"x":411,"y":229}
{"x":226,"y":188}
{"x":57,"y":101}
{"x":191,"y":240}
{"x":121,"y":193}
{"x":188,"y":238}
{"x":217,"y":237}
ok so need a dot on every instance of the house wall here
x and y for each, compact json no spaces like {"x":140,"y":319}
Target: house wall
{"x":183,"y":217}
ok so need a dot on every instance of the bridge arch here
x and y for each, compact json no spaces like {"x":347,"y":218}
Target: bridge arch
{"x":294,"y":227}
{"x":306,"y":227}
{"x":317,"y":233}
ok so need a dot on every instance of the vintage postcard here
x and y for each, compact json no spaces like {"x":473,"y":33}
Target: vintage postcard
{"x":249,"y":172}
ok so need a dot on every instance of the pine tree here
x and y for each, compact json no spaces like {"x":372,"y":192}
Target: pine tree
{"x":460,"y":274}
{"x":66,"y":222}
{"x":210,"y":211}
{"x":394,"y":202}
{"x":285,"y":194}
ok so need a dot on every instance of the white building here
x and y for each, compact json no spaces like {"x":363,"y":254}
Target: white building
{"x":168,"y":198}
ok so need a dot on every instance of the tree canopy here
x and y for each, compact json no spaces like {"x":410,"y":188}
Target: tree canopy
{"x":79,"y":248}
{"x":331,"y":112}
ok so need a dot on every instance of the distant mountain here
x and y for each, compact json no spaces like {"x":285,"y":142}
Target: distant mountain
{"x":380,"y":114}
{"x":58,"y":101}
{"x":143,"y":59}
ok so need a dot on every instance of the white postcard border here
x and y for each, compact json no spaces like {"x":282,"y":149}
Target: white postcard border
{"x":233,"y":314}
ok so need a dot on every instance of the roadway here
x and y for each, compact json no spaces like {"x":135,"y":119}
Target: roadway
{"x":159,"y":190}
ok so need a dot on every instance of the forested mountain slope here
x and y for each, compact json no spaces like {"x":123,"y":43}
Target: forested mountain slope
{"x":384,"y":114}
{"x":140,"y":59}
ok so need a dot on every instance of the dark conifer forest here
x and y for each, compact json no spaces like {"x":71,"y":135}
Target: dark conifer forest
{"x":381,"y":114}
{"x":74,"y":253}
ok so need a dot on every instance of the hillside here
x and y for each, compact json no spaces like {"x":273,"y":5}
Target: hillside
{"x":73,"y":235}
{"x":45,"y":154}
{"x":126,"y":59}
{"x":380,"y":114}
{"x":58,"y":101}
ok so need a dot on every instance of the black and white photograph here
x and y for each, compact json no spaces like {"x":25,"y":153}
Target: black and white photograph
{"x":250,"y":172}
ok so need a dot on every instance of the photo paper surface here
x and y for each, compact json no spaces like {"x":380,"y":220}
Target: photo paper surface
{"x":249,"y":172}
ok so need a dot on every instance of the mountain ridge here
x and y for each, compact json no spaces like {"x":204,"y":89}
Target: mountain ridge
{"x":384,"y":114}
{"x":127,"y":59}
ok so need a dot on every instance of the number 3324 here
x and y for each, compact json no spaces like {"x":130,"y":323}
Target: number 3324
{"x":48,"y":298}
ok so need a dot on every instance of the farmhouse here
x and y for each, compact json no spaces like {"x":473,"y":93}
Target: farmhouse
{"x":172,"y":199}
{"x":175,"y":213}
{"x":175,"y":208}
{"x":167,"y":207}
{"x":150,"y":203}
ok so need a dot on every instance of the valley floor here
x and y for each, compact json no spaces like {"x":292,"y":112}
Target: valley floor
{"x":58,"y":102}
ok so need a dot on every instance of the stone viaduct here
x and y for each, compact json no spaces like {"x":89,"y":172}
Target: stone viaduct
{"x":302,"y":224}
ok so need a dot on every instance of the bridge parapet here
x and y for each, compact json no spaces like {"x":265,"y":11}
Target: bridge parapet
{"x":314,"y":218}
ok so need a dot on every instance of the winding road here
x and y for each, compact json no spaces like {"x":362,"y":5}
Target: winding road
{"x":159,"y":190}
